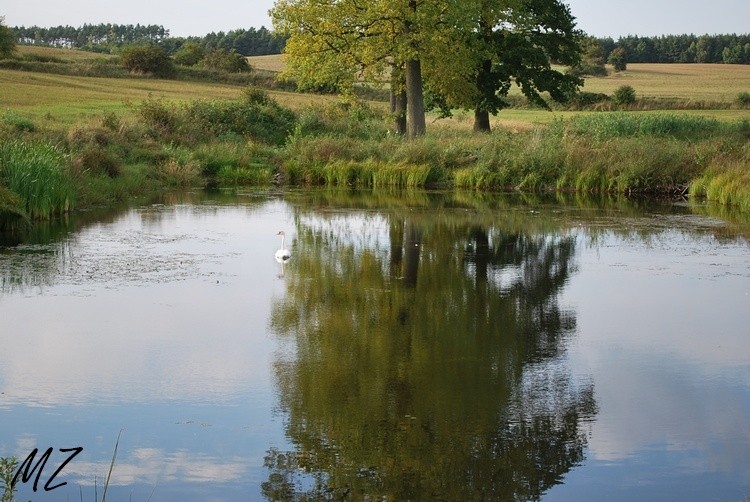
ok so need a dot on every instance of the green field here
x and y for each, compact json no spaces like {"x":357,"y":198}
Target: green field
{"x":68,"y":99}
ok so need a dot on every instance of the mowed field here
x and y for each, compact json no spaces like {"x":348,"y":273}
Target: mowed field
{"x":68,"y":99}
{"x":705,"y":82}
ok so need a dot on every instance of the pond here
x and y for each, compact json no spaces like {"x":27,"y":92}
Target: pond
{"x":417,"y":345}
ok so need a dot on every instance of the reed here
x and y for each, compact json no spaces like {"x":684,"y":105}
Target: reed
{"x":402,"y":175}
{"x":37,"y":173}
{"x":606,"y":125}
{"x":250,"y":175}
{"x":727,"y":185}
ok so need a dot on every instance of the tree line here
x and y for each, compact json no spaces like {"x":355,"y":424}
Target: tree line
{"x":729,"y":49}
{"x":109,"y":38}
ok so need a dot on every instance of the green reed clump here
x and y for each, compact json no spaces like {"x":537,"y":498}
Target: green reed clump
{"x":251,"y":174}
{"x":403,"y":175}
{"x":728,"y":185}
{"x":215,"y":156}
{"x":17,"y":122}
{"x":37,"y":173}
{"x":133,"y":181}
{"x":606,"y":125}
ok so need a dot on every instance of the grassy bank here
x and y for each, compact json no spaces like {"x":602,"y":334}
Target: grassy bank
{"x":608,"y":152}
{"x":73,"y":142}
{"x":252,"y":140}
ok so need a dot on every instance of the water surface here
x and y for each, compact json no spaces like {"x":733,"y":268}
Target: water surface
{"x":417,"y":345}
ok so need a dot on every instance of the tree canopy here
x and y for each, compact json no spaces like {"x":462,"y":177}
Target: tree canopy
{"x":465,"y":54}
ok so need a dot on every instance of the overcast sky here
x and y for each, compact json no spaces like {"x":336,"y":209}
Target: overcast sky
{"x":612,"y":18}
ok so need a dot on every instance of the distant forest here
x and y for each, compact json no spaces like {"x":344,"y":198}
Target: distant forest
{"x":731,"y":49}
{"x":108,"y":38}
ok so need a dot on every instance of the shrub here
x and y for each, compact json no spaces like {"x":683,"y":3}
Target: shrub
{"x":97,"y":161}
{"x":188,"y":55}
{"x":743,"y":100}
{"x":227,"y":61}
{"x":267,"y":122}
{"x":158,"y":115}
{"x":588,"y":99}
{"x":147,"y":59}
{"x":624,"y":95}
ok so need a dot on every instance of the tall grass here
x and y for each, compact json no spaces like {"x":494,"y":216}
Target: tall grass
{"x":606,"y":125}
{"x":37,"y":173}
{"x":727,"y":185}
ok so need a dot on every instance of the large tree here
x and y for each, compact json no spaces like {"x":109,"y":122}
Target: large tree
{"x":515,"y":42}
{"x":340,"y":43}
{"x":466,"y":53}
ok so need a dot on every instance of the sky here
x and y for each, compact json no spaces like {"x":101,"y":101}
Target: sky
{"x":601,"y":18}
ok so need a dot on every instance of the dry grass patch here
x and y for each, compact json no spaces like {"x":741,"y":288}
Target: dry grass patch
{"x":273,"y":62}
{"x":708,"y":82}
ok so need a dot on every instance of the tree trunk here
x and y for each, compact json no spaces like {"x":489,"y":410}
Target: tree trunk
{"x":415,"y":99}
{"x":486,"y":87}
{"x":481,"y":120}
{"x":412,"y":247}
{"x":398,"y":101}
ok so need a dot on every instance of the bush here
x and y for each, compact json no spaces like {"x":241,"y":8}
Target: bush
{"x":158,"y":115}
{"x":227,"y":61}
{"x":588,"y":99}
{"x":266,"y":122}
{"x":97,"y":161}
{"x":147,"y":59}
{"x":743,"y":100}
{"x":624,"y":95}
{"x":188,"y":55}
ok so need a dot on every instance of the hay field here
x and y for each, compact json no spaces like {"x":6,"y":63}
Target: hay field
{"x":695,"y":81}
{"x":704,"y":82}
{"x":274,"y":62}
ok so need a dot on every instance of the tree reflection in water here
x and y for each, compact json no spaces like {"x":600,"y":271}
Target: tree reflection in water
{"x":427,"y":361}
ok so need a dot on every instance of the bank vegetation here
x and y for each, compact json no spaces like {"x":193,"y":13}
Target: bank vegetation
{"x":68,"y":144}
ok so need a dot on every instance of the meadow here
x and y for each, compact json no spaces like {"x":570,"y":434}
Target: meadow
{"x":111,"y":138}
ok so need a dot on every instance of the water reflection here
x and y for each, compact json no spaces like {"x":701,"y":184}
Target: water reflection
{"x":418,"y":344}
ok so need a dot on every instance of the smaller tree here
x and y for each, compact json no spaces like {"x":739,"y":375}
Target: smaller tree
{"x":617,"y":58}
{"x":7,"y":40}
{"x":592,"y":60}
{"x":147,"y":59}
{"x":188,"y":55}
{"x":624,"y":95}
{"x":224,"y":60}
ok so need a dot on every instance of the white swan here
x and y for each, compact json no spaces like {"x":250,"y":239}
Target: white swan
{"x":282,"y":254}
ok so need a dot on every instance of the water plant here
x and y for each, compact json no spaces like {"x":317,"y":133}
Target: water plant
{"x":36,"y":171}
{"x":8,"y":466}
